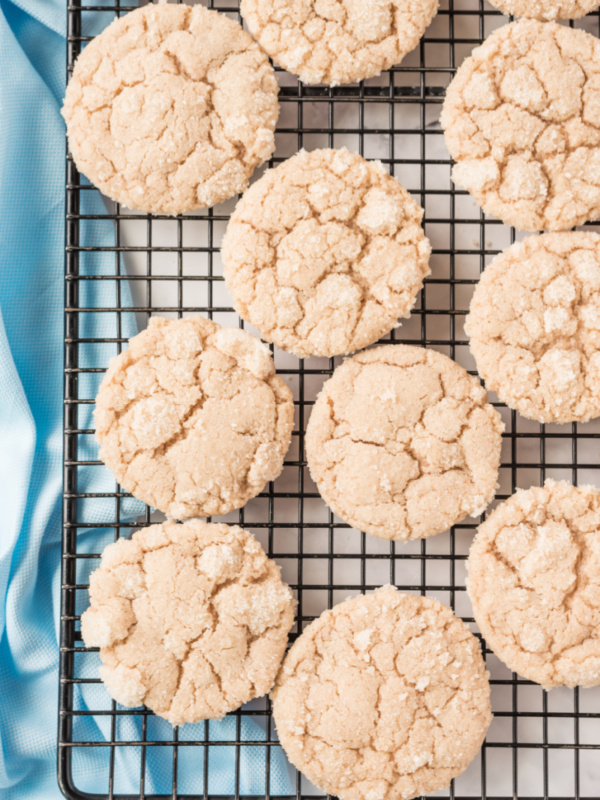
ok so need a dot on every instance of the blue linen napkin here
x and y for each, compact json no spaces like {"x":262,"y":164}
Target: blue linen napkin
{"x":32,"y":75}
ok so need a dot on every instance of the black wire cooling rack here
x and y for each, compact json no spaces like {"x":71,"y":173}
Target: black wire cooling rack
{"x":120,"y":268}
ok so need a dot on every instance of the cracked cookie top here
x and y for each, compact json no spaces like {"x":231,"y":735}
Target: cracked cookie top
{"x":192,"y":419}
{"x":191,"y":620}
{"x":337,"y":41}
{"x":534,"y":578}
{"x":171,"y":108}
{"x":385,"y":697}
{"x":402,"y":443}
{"x":324,"y":253}
{"x":534,"y":327}
{"x":546,"y":9}
{"x":522,"y":120}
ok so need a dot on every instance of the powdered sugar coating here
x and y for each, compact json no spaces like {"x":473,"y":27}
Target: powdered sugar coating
{"x":192,"y":419}
{"x":402,"y":443}
{"x":534,"y":578}
{"x":191,"y":620}
{"x":534,"y":327}
{"x":337,"y":41}
{"x":324,"y":253}
{"x":522,"y":120}
{"x":385,"y":697}
{"x":546,"y":9}
{"x":171,"y":108}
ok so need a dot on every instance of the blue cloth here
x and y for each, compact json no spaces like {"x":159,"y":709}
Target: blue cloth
{"x":32,"y":75}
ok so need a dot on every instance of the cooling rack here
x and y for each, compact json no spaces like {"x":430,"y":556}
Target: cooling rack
{"x":120,"y":268}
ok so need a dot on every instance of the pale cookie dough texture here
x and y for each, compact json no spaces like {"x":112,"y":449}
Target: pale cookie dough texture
{"x":324,"y":253}
{"x":522,"y":120}
{"x":192,"y":419}
{"x":337,"y":41}
{"x":171,"y":108}
{"x":534,"y":327}
{"x":546,"y":9}
{"x":191,"y":620}
{"x":534,"y":582}
{"x":402,"y":443}
{"x":385,"y":697}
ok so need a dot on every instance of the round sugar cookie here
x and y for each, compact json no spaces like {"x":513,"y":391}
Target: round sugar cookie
{"x":403,"y":444}
{"x":534,"y":327}
{"x":171,"y":108}
{"x":337,"y":41}
{"x":546,"y":9}
{"x":191,"y":620}
{"x":192,"y":419}
{"x":522,"y":120}
{"x":324,"y":253}
{"x":533,"y":580}
{"x":385,"y":696}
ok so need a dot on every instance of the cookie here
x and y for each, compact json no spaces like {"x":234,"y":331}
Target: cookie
{"x":192,"y":419}
{"x":534,"y":581}
{"x":534,"y":327}
{"x":191,"y":620}
{"x":337,"y":41}
{"x":385,"y":696}
{"x":522,"y":120}
{"x":546,"y":9}
{"x":171,"y":108}
{"x":324,"y":253}
{"x":403,"y":444}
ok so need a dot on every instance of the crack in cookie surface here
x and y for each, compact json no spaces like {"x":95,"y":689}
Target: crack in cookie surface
{"x":533,"y":577}
{"x":191,"y":620}
{"x":522,"y":120}
{"x":534,"y":327}
{"x":385,"y":696}
{"x":337,"y":41}
{"x":324,"y":253}
{"x":171,"y":108}
{"x":192,"y":419}
{"x":402,"y":443}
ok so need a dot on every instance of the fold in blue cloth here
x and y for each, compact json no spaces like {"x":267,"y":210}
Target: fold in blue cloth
{"x":32,"y":75}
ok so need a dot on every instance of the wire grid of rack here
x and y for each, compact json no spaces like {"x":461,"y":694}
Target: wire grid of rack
{"x":540,"y":745}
